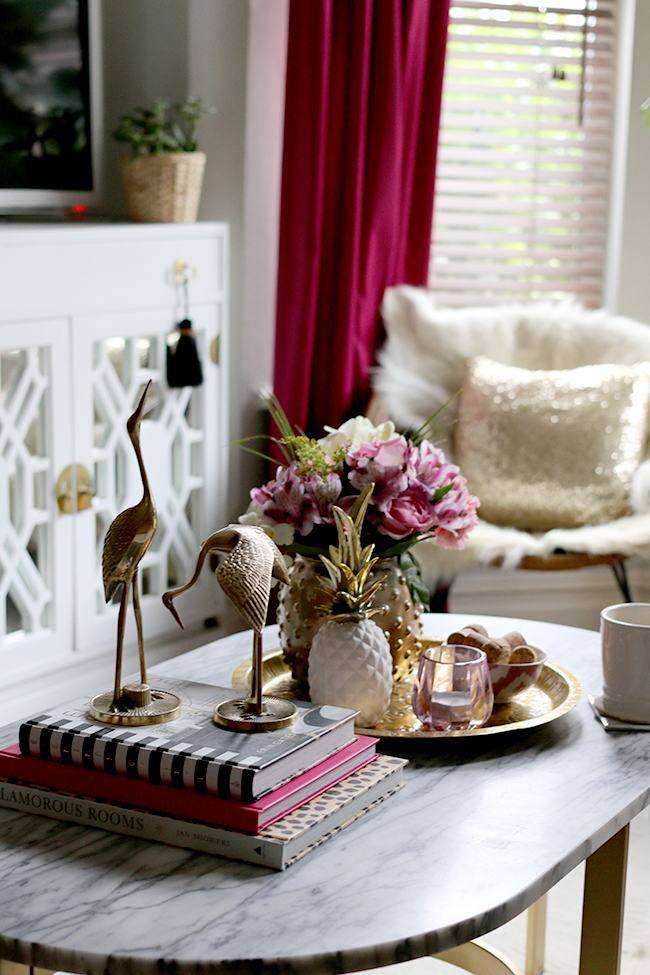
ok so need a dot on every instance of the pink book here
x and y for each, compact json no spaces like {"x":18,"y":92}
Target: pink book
{"x":210,"y":809}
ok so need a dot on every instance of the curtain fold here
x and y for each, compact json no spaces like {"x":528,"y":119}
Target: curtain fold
{"x":364,"y":83}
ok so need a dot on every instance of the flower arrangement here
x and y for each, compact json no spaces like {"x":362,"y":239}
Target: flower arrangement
{"x":417,"y":494}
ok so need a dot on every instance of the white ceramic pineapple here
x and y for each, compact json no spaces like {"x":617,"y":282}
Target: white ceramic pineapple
{"x":350,"y":663}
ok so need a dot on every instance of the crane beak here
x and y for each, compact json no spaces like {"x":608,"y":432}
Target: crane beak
{"x":283,"y":575}
{"x":168,"y":601}
{"x":138,"y":413}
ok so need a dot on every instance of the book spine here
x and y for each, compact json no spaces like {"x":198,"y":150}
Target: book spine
{"x":209,"y":809}
{"x":112,"y":788}
{"x":144,"y":825}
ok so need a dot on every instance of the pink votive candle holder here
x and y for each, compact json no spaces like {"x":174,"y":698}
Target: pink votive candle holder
{"x":453,"y":690}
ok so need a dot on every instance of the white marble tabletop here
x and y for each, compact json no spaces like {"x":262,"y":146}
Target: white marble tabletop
{"x":484,"y":826}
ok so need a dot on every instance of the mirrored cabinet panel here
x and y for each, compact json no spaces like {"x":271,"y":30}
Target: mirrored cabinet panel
{"x":99,"y":317}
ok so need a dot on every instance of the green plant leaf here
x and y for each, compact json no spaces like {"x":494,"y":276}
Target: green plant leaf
{"x":441,"y":491}
{"x":413,"y":573}
{"x":150,"y":130}
{"x":430,"y":430}
{"x":256,"y":453}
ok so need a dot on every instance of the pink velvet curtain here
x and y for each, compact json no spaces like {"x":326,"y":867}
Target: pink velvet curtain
{"x":364,"y":81}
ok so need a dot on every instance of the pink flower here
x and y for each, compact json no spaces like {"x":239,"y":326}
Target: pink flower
{"x":455,"y":515}
{"x":386,"y":463}
{"x":409,"y":514}
{"x":432,"y":470}
{"x":299,"y":501}
{"x":323,"y":492}
{"x":285,"y":500}
{"x":386,"y":453}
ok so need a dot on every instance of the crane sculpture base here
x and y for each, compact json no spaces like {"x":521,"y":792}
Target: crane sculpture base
{"x":239,"y":714}
{"x":139,"y":704}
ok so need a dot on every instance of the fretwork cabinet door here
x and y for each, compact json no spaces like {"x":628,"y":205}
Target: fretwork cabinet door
{"x":36,"y":540}
{"x":114,"y":357}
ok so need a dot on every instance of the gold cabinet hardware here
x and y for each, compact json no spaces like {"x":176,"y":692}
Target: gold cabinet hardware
{"x":214,"y":350}
{"x":184,"y":272}
{"x":74,"y":480}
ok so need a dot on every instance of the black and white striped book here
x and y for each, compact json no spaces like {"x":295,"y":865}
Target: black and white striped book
{"x":191,"y":752}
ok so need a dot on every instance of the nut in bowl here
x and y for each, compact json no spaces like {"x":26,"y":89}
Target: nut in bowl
{"x":514,"y":665}
{"x":509,"y":679}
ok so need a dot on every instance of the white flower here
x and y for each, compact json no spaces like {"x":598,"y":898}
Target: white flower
{"x":280,"y":533}
{"x":252,"y":516}
{"x":354,"y":431}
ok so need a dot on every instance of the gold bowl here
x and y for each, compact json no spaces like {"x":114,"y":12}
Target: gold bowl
{"x":556,"y":692}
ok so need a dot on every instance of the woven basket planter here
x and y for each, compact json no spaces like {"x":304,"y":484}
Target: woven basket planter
{"x":164,"y":188}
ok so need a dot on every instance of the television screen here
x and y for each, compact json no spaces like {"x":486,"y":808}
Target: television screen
{"x":45,"y":96}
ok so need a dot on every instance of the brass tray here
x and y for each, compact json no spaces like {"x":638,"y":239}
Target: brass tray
{"x":556,"y":692}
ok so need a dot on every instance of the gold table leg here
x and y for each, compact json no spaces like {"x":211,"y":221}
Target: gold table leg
{"x":480,"y":959}
{"x":602,"y":910}
{"x":536,"y":937}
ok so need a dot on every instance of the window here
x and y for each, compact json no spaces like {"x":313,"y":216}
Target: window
{"x":523,"y":163}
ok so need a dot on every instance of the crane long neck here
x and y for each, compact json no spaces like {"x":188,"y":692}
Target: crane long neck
{"x":211,"y":544}
{"x":135,"y":440}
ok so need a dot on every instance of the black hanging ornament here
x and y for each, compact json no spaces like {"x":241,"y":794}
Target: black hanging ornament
{"x":183,"y":363}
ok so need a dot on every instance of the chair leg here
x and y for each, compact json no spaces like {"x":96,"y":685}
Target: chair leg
{"x":620,"y":574}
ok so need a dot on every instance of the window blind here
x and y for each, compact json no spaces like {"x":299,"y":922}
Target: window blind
{"x":523,"y":160}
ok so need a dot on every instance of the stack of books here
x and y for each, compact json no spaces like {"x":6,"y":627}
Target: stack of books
{"x":267,"y":797}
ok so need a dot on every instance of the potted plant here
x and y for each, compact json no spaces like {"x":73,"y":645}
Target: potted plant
{"x":164,"y":173}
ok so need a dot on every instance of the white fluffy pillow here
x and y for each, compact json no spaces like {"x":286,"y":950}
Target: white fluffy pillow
{"x":423,"y":361}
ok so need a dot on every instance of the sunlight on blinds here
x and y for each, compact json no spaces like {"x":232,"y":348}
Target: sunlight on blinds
{"x":523,"y":161}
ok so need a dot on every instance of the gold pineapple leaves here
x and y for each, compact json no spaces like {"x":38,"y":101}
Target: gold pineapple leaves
{"x":349,"y":565}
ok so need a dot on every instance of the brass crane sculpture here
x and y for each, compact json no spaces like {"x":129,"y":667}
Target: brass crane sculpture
{"x":127,"y":539}
{"x":253,"y":559}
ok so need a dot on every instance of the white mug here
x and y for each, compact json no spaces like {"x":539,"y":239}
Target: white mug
{"x":625,"y":636}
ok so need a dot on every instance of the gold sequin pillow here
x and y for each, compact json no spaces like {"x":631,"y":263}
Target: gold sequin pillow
{"x":552,"y":449}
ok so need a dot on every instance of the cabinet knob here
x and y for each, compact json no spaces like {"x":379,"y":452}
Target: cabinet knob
{"x":74,"y":481}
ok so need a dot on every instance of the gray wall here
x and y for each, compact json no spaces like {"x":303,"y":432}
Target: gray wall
{"x":145,"y":55}
{"x":173,"y":49}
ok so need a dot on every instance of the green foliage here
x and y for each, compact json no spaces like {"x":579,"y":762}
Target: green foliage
{"x":411,"y":569}
{"x":432,"y":429}
{"x":311,"y":457}
{"x":153,"y":130}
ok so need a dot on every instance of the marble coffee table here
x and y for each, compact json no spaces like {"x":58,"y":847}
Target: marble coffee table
{"x":483,"y":828}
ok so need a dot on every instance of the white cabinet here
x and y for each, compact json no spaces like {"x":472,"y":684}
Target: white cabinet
{"x":85,"y":316}
{"x":36,"y":436}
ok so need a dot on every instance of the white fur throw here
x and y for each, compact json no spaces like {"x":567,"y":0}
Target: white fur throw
{"x":422,"y":366}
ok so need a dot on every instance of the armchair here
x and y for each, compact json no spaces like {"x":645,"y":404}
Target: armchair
{"x":530,"y":357}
